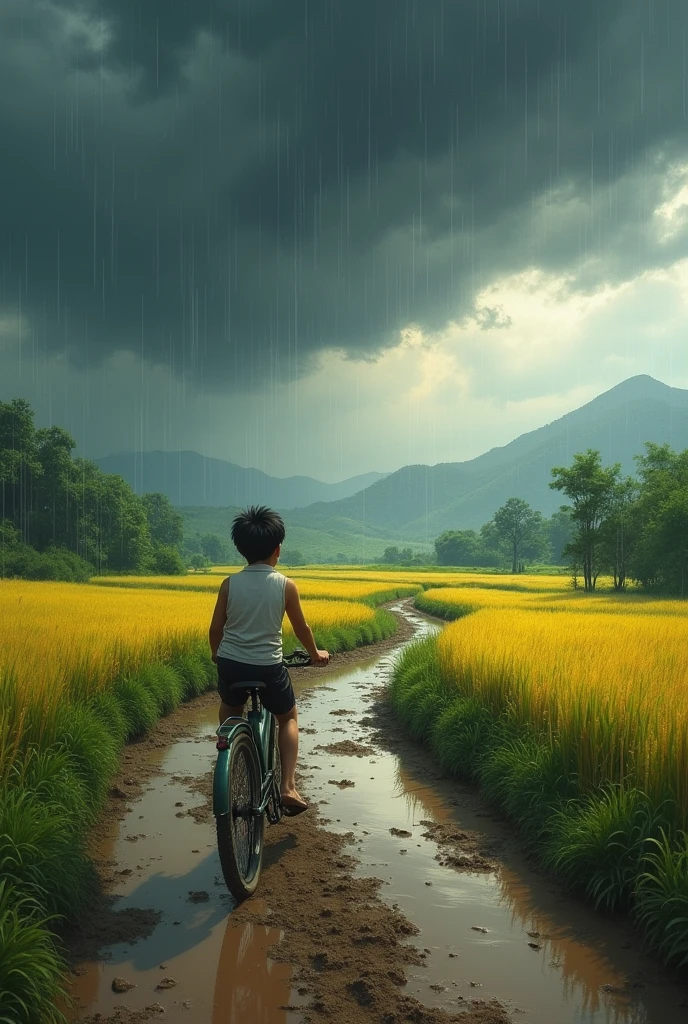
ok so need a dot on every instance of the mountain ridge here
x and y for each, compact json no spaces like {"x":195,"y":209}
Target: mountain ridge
{"x":188,"y":478}
{"x":421,"y":501}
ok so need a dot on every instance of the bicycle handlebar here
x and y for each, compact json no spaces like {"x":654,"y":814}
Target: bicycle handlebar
{"x":297,"y":659}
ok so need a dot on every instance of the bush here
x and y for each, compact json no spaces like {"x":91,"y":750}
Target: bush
{"x":167,"y":561}
{"x":24,"y":562}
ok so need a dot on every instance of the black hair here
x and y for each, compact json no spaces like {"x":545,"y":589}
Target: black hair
{"x":256,"y":532}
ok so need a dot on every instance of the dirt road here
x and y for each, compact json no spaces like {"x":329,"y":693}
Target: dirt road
{"x":397,"y":898}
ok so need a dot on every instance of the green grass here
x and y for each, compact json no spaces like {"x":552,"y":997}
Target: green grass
{"x":612,"y":846}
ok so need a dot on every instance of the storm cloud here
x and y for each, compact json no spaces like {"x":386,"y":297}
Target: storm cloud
{"x":228,"y":188}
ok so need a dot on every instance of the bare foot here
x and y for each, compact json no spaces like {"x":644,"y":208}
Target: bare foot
{"x":292,"y":802}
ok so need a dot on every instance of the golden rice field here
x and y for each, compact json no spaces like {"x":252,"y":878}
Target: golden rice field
{"x":72,"y":639}
{"x":341,"y":588}
{"x":613,"y":689}
{"x":607,"y":673}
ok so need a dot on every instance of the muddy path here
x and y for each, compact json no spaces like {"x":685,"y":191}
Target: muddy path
{"x":398,"y":897}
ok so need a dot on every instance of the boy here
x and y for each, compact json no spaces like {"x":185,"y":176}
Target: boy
{"x":246,"y":636}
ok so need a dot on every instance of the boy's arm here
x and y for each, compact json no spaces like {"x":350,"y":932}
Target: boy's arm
{"x":219,"y":618}
{"x":302,"y":631}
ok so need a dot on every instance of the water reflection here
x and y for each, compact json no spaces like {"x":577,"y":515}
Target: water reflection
{"x":248,"y":985}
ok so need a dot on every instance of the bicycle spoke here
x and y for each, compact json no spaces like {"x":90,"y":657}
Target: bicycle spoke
{"x":242,"y":813}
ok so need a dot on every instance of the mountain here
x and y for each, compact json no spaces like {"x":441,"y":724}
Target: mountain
{"x":188,"y":478}
{"x":419,"y":502}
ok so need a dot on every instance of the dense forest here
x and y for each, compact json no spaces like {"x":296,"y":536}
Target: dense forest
{"x":63,"y":518}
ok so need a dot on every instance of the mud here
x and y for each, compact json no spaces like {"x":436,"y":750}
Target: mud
{"x":346,"y":748}
{"x":409,"y":902}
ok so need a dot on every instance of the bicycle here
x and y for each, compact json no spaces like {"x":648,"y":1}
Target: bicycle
{"x":246,"y":787}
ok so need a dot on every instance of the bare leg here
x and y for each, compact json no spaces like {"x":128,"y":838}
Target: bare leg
{"x":288,"y":742}
{"x":230,"y":712}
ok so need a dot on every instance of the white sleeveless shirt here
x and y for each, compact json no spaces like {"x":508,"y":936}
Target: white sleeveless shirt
{"x":255,"y":609}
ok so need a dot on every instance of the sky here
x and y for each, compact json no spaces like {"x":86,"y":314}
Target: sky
{"x":330,"y":237}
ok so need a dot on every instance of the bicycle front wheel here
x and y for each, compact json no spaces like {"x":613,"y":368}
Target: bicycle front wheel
{"x":240,"y":833}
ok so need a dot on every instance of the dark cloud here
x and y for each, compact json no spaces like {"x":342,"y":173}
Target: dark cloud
{"x":230,"y":186}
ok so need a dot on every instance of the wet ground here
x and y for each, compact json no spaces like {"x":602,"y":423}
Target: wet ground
{"x":490,"y":928}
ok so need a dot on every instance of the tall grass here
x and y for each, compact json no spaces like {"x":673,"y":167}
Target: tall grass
{"x":573,"y":718}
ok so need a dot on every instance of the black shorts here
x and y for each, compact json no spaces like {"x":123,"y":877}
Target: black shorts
{"x":279,"y":696}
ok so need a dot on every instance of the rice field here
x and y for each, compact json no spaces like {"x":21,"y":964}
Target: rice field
{"x":571,"y":711}
{"x":83,"y":669}
{"x":373,"y":591}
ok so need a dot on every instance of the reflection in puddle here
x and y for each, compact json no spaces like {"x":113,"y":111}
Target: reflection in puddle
{"x":249,"y":986}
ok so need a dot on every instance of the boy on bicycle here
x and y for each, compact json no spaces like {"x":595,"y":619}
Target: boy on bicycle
{"x":246,"y":636}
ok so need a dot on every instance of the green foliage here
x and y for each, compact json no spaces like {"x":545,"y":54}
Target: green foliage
{"x":590,"y":489}
{"x":516,"y":523}
{"x":24,"y":562}
{"x":215,"y":549}
{"x":661,"y":559}
{"x":292,"y":556}
{"x":166,"y":561}
{"x":458,"y":547}
{"x":598,"y":844}
{"x":31,"y":969}
{"x":662,"y":897}
{"x":165,"y":524}
{"x":56,"y":506}
{"x":199,"y":563}
{"x":559,"y":530}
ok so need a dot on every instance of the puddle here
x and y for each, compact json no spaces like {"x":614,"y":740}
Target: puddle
{"x":223,"y":974}
{"x":581,"y":973}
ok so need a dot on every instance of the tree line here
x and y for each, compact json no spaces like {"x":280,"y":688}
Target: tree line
{"x":61,"y":517}
{"x":629,"y":528}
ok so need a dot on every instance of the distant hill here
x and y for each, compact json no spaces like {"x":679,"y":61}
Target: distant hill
{"x":419,"y":502}
{"x":356,"y":540}
{"x":188,"y":478}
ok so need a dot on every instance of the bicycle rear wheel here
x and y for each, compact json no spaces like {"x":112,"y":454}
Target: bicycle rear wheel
{"x":240,"y":833}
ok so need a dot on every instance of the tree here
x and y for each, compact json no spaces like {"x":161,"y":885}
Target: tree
{"x":125,"y":535}
{"x":292,"y":556}
{"x":166,"y":525}
{"x":619,"y":531}
{"x":590,"y":488}
{"x":560,"y":531}
{"x":19,"y":463}
{"x":166,"y":561}
{"x":391,"y":555}
{"x":199,"y":563}
{"x":517,"y":523}
{"x":457,"y":547}
{"x":661,"y":551}
{"x":214,"y":548}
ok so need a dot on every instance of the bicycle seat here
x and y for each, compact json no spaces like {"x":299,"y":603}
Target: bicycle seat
{"x":248,"y":686}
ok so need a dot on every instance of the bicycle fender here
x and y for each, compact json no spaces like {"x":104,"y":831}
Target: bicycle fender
{"x":221,"y":775}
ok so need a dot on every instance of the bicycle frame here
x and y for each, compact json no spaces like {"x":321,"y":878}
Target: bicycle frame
{"x":261,"y":728}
